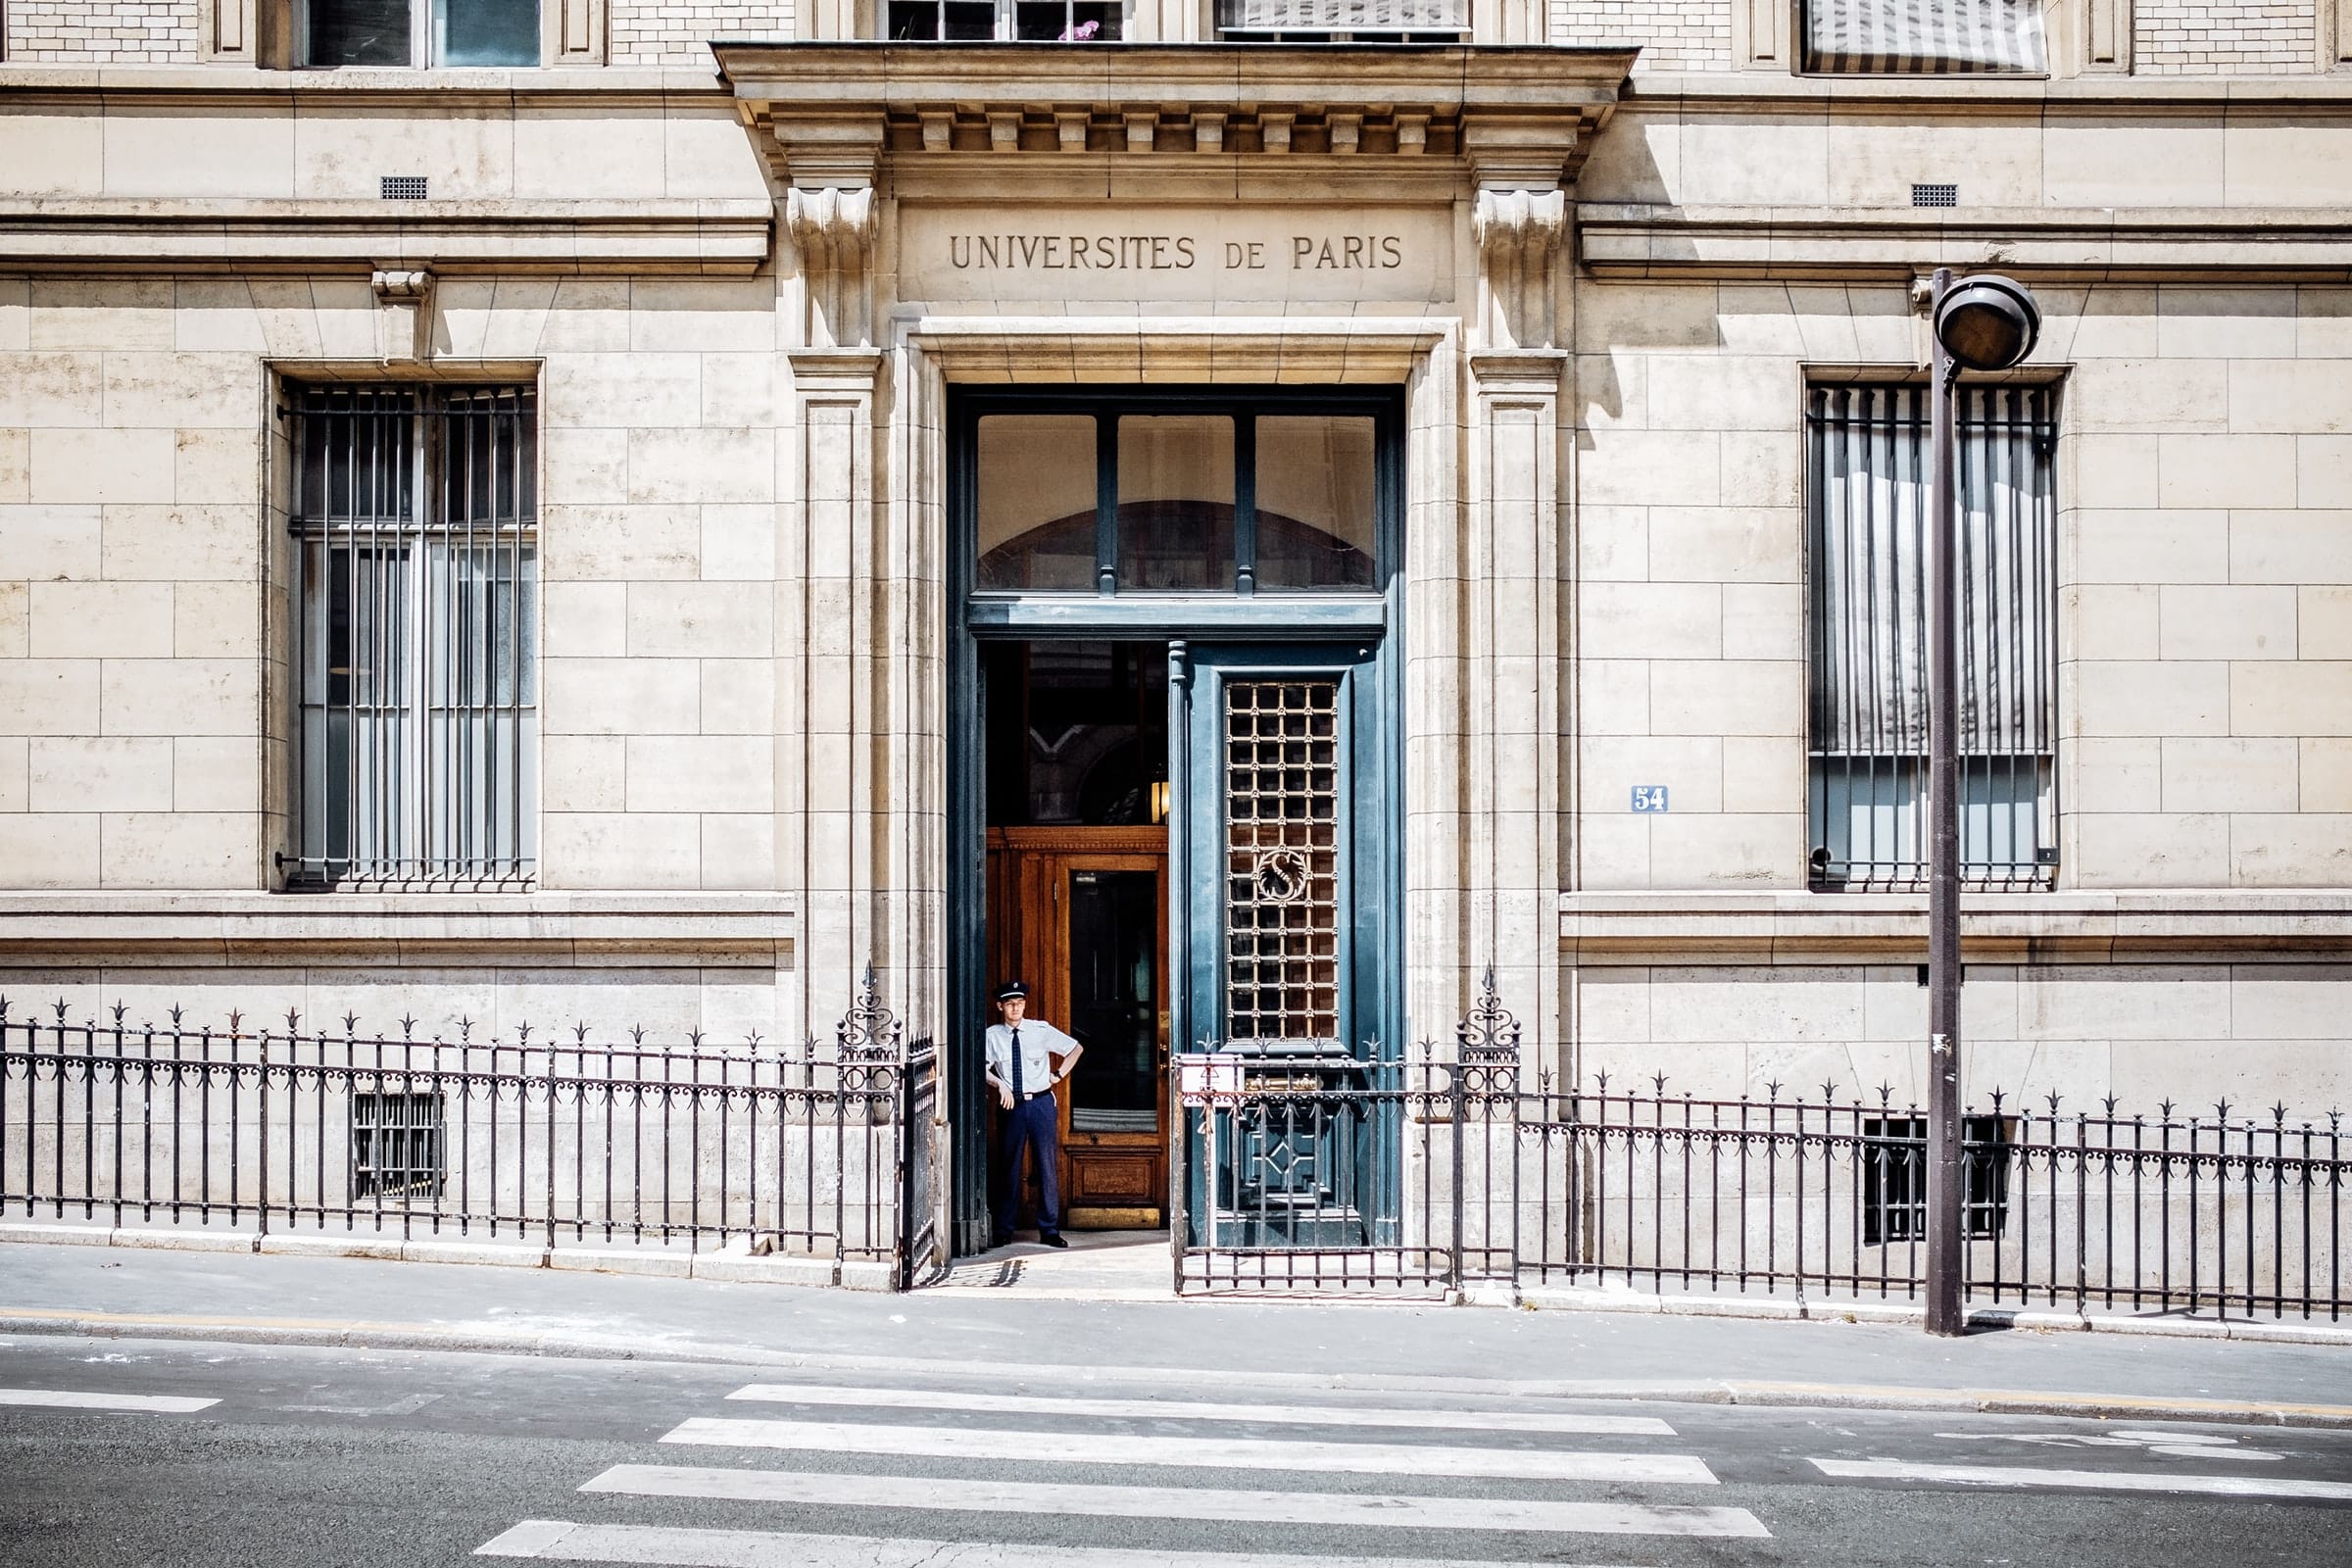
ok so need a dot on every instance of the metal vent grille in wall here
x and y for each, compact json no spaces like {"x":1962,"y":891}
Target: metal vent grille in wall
{"x":411,"y":187}
{"x":1935,"y":195}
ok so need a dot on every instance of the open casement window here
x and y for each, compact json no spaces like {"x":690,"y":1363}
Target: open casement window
{"x":1180,"y":495}
{"x":417,"y":33}
{"x":1924,"y":37}
{"x":416,"y":668}
{"x":979,"y":20}
{"x":1870,"y":467}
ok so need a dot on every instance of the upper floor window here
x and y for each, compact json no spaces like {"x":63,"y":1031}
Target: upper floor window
{"x":417,"y":32}
{"x":1180,"y":494}
{"x":1344,"y":20}
{"x":1035,"y":20}
{"x":415,"y":603}
{"x":1866,"y":571}
{"x":1928,"y":37}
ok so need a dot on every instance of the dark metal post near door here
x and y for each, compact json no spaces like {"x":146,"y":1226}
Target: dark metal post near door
{"x":1985,"y":324}
{"x":1944,"y":1177}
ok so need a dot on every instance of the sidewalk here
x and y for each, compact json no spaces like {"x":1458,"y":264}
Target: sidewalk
{"x":133,"y":1292}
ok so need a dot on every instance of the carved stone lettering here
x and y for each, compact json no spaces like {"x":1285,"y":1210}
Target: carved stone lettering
{"x":980,"y":252}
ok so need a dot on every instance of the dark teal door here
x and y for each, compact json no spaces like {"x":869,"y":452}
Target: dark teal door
{"x":1284,"y":860}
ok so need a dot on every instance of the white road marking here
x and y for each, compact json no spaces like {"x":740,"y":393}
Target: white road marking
{"x":563,"y":1541}
{"x":75,"y":1400}
{"x":2002,"y":1475}
{"x":1220,"y":1453}
{"x":1642,"y":1426}
{"x":2185,"y":1446}
{"x":1366,"y":1510}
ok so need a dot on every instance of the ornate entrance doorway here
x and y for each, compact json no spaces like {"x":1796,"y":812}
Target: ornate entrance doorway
{"x":1178,"y":816}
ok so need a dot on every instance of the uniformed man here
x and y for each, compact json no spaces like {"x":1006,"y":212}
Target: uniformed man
{"x":1020,"y":1054}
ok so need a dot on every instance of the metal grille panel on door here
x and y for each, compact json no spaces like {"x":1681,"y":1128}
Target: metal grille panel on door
{"x":1282,"y":899}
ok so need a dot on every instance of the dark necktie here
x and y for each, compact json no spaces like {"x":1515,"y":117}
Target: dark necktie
{"x":1017,"y":1095}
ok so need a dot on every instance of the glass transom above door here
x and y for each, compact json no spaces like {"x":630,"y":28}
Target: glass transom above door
{"x":1181,"y":494}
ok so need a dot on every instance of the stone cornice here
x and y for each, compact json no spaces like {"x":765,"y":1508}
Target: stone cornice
{"x":197,"y":930}
{"x":125,"y":86}
{"x":506,"y":236}
{"x":2221,"y":925}
{"x":2078,"y":244}
{"x":1975,"y":97}
{"x":1529,"y":113}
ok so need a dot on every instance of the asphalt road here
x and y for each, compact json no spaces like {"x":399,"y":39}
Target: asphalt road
{"x":320,"y":1457}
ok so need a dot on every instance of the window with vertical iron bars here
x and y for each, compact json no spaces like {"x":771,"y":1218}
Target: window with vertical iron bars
{"x":1868,"y":495}
{"x":416,"y":579}
{"x":1893,"y":1157}
{"x":396,"y":1146}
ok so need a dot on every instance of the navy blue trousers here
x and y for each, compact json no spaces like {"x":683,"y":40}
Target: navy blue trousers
{"x":1033,"y":1124}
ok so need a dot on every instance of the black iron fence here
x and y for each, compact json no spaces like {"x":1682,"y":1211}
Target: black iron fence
{"x":818,"y":1150}
{"x":1443,"y":1170}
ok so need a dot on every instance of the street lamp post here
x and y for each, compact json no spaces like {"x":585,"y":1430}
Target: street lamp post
{"x":1983,"y":322}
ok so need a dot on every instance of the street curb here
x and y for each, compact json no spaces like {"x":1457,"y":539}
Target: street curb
{"x":737,"y":1268}
{"x":1564,"y":1299}
{"x":1759,"y":1394}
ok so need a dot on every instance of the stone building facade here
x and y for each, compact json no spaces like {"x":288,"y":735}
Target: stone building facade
{"x":1553,"y":309}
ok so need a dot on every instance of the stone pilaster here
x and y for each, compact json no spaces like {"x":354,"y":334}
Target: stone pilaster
{"x":1515,"y":687}
{"x":830,"y":656}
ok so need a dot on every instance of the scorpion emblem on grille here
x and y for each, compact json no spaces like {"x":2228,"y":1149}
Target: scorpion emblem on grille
{"x":1282,"y":875}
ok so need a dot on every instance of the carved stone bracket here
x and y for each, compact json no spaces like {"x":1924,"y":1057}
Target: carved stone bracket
{"x":404,"y":318}
{"x":1520,"y":235}
{"x":833,"y":229}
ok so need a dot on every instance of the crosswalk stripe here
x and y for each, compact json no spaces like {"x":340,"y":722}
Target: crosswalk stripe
{"x":1220,"y":1453}
{"x":2002,"y":1475}
{"x":681,"y":1548}
{"x":1642,"y":1426}
{"x":75,"y":1400}
{"x":1365,"y":1510}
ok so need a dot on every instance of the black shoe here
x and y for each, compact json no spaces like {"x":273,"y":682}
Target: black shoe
{"x":1052,"y":1239}
{"x":1001,"y":1239}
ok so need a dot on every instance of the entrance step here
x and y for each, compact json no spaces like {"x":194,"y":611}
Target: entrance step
{"x":1096,"y":1266}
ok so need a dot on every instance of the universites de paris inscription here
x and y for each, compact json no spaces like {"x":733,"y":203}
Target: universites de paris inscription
{"x":1172,"y":253}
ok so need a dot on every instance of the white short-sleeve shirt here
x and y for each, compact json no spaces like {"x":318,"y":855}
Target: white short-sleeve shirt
{"x":1041,"y":1042}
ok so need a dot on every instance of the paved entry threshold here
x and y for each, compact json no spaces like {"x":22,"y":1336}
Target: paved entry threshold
{"x":1096,"y":1266}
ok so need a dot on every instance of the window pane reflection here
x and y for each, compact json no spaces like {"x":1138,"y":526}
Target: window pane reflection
{"x":1037,"y":502}
{"x":1316,"y":501}
{"x":1175,"y":501}
{"x":357,"y":33}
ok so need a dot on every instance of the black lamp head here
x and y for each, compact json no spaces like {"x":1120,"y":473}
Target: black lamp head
{"x":1988,"y":323}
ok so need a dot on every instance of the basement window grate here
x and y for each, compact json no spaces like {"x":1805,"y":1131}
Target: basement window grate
{"x":1891,"y":1155}
{"x":396,"y":1146}
{"x":1935,"y":195}
{"x":411,"y":187}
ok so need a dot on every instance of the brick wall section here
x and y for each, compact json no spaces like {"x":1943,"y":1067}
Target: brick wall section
{"x":2224,"y":37}
{"x":1674,"y":35}
{"x":150,"y":32}
{"x":661,"y":33}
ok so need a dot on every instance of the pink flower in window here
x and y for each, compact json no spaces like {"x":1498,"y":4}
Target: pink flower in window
{"x":1083,"y":33}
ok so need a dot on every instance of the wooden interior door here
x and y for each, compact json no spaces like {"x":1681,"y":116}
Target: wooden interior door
{"x":1081,"y":913}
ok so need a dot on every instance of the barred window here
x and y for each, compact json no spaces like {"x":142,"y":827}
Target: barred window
{"x":396,"y":1144}
{"x":416,"y":660}
{"x":1870,"y":461}
{"x":1891,"y":1156}
{"x":1925,"y":37}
